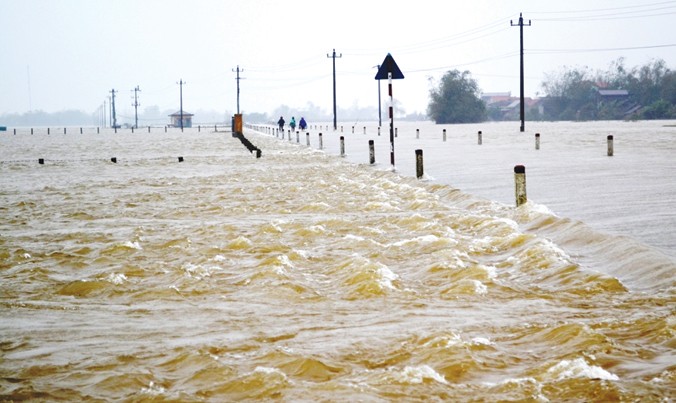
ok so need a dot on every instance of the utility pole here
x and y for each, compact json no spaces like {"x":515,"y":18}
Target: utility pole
{"x":335,"y":121}
{"x":112,"y":103}
{"x":238,"y":70}
{"x":180,"y":83}
{"x":136,"y":105}
{"x":522,"y":109}
{"x":380,"y":114}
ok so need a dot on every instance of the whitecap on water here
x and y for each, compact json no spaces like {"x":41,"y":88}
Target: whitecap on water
{"x":198,"y":272}
{"x":241,"y":242}
{"x":418,"y":374}
{"x":386,"y":277}
{"x":445,"y":341}
{"x":578,"y":368}
{"x":482,"y":341}
{"x":116,"y":278}
{"x":153,"y":389}
{"x":132,"y":245}
{"x":422,"y":240}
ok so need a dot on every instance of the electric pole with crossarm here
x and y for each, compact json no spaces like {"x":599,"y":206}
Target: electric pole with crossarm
{"x":335,"y":120}
{"x":238,"y":70}
{"x":136,"y":105}
{"x":520,"y":24}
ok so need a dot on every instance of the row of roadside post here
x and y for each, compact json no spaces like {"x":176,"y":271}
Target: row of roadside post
{"x":519,"y":170}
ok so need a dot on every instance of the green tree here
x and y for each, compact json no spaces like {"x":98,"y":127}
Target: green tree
{"x":570,"y":95}
{"x":573,"y":93}
{"x":658,"y":110}
{"x":456,"y":99}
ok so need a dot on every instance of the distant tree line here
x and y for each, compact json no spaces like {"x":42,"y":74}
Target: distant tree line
{"x":151,"y":116}
{"x":646,"y":92}
{"x":41,"y":118}
{"x":575,"y":93}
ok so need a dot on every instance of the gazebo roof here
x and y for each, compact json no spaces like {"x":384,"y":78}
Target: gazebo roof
{"x":178,"y":114}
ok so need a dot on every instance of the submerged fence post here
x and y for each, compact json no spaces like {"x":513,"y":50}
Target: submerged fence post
{"x":396,"y":132}
{"x":113,"y":160}
{"x":378,"y":130}
{"x":321,"y":142}
{"x":419,"y":171}
{"x":307,"y":139}
{"x":479,"y":138}
{"x":537,"y":141}
{"x":417,"y":133}
{"x":364,"y":129}
{"x":372,"y":152}
{"x":610,"y":145}
{"x":342,"y":146}
{"x":444,"y":134}
{"x":520,"y":184}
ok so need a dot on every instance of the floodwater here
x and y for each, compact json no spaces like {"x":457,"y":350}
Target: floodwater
{"x":304,"y":276}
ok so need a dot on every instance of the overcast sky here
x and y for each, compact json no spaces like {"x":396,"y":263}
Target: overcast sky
{"x":69,"y":54}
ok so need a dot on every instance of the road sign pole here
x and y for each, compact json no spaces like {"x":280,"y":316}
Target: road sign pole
{"x":389,"y":69}
{"x":389,"y":89}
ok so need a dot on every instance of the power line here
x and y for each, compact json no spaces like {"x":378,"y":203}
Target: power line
{"x":603,"y":17}
{"x":546,"y":51}
{"x":606,"y":9}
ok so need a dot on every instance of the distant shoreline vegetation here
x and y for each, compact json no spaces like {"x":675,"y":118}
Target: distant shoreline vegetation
{"x":573,"y":94}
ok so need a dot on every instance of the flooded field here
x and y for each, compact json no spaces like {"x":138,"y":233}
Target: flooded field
{"x":304,"y":276}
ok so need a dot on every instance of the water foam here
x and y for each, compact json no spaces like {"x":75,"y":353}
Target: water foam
{"x":578,"y":368}
{"x":132,"y":245}
{"x":386,"y":277}
{"x":116,"y":278}
{"x":418,"y":374}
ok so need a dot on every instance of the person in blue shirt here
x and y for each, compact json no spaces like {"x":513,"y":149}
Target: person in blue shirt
{"x":281,"y":122}
{"x":292,"y":123}
{"x":302,"y":124}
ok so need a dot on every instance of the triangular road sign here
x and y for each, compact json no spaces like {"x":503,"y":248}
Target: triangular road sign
{"x":389,"y":66}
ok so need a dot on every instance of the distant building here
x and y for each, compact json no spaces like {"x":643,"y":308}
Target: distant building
{"x":176,"y":119}
{"x":503,"y":106}
{"x":620,"y":98}
{"x":493,"y":97}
